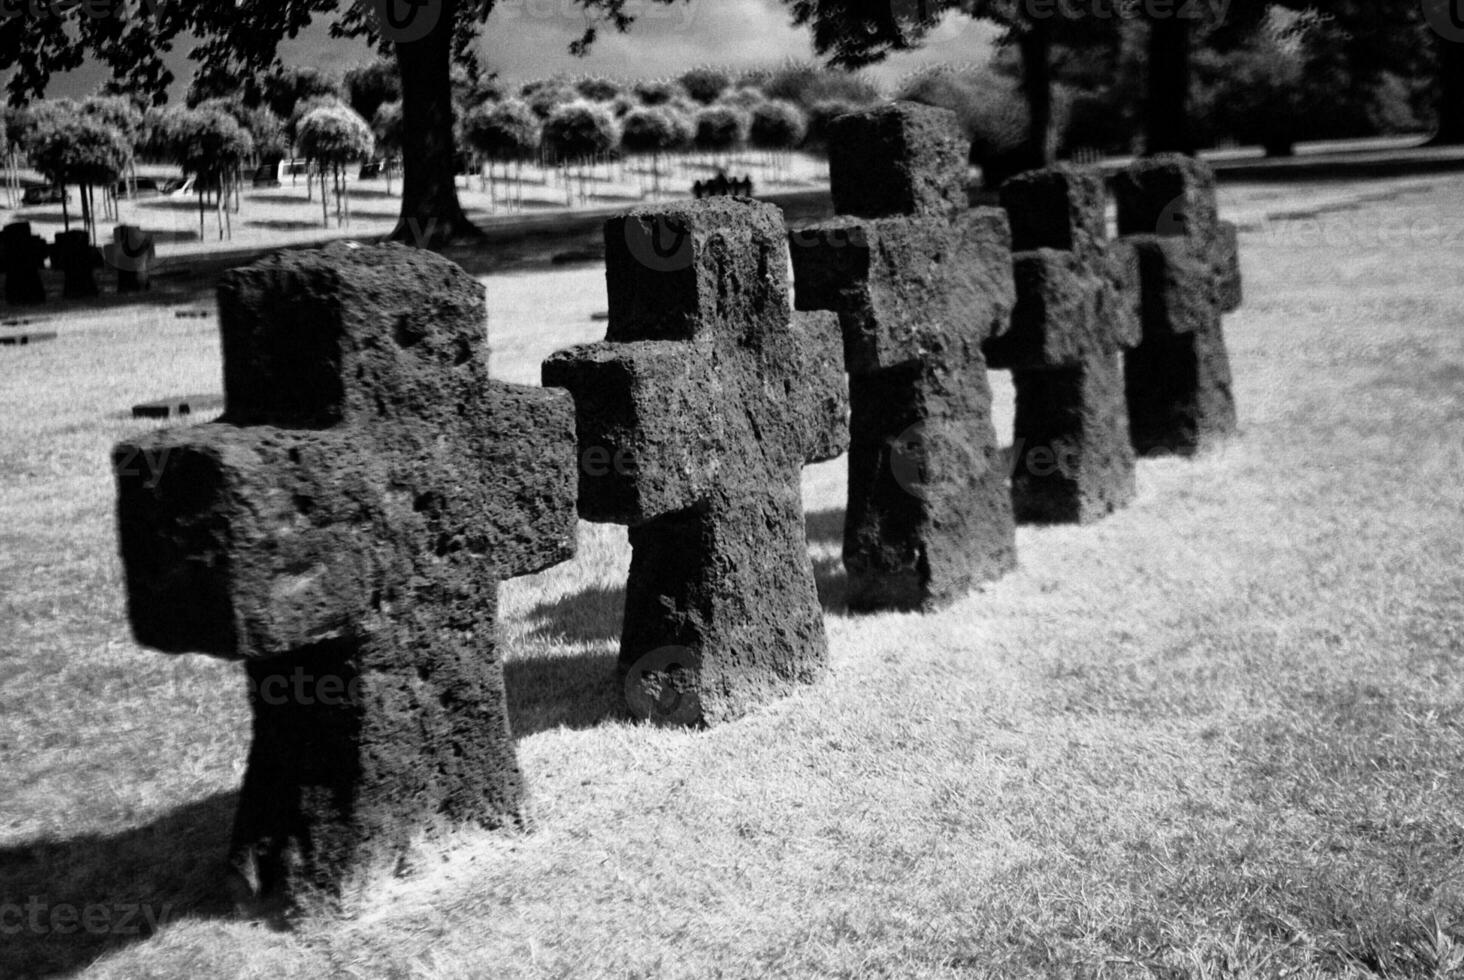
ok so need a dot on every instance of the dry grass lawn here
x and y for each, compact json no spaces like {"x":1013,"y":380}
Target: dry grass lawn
{"x":1218,"y":735}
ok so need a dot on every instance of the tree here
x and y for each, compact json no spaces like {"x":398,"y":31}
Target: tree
{"x":705,"y":85}
{"x":370,"y":86}
{"x":654,"y":130}
{"x":579,"y":132}
{"x":334,"y":136}
{"x":507,"y":131}
{"x":387,"y":125}
{"x":720,"y":129}
{"x":241,"y":37}
{"x":73,"y":148}
{"x":210,"y":145}
{"x":778,"y":127}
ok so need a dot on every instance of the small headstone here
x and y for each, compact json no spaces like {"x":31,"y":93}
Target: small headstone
{"x":23,"y":255}
{"x":919,"y":281}
{"x":181,"y":406}
{"x":27,"y":338}
{"x":1077,"y":308}
{"x":192,"y":314}
{"x":695,"y":419}
{"x":1178,"y":379}
{"x":78,"y":260}
{"x":342,"y":530}
{"x":132,"y":252}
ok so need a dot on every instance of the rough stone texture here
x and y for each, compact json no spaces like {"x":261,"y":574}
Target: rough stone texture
{"x":899,"y":158}
{"x":78,"y":260}
{"x":695,"y":418}
{"x":1076,"y":309}
{"x":342,"y":529}
{"x":23,"y":255}
{"x":917,"y":291}
{"x":1178,"y":379}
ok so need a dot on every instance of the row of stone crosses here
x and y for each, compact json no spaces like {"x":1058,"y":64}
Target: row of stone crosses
{"x":351,"y":515}
{"x":131,"y":252}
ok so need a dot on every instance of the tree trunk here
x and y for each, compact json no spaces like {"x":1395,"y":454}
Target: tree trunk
{"x":431,"y":214}
{"x":1035,"y":45}
{"x":1449,"y":92}
{"x":1166,"y":110}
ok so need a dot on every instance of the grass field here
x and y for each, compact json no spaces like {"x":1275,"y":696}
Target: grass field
{"x":1220,"y":734}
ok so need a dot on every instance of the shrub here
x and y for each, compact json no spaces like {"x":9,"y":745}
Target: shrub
{"x":705,"y":85}
{"x":578,"y":131}
{"x":654,"y":129}
{"x":507,"y":130}
{"x":598,"y":89}
{"x":335,"y":135}
{"x":720,"y":128}
{"x":777,"y":126}
{"x":990,"y":109}
{"x":746,"y":99}
{"x":1261,"y":97}
{"x":658,"y":91}
{"x":547,"y":97}
{"x":805,"y":84}
{"x":820,"y":114}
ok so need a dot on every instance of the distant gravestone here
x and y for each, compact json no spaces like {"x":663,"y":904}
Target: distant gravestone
{"x":78,"y":260}
{"x":1178,"y":379}
{"x":26,"y":338}
{"x":23,"y":255}
{"x":919,"y":281}
{"x":181,"y":406}
{"x":342,"y":530}
{"x":695,"y":418}
{"x":132,"y":252}
{"x":1077,"y":308}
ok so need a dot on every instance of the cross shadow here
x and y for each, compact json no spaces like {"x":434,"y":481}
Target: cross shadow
{"x":569,"y":690}
{"x":825,"y":526}
{"x":79,"y":898}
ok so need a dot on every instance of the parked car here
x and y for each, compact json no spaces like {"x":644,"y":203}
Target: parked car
{"x":43,"y":195}
{"x":138,"y":187}
{"x":178,"y":186}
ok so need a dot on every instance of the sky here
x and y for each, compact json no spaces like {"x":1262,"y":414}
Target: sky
{"x":528,"y":39}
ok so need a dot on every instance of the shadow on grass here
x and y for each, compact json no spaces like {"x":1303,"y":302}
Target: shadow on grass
{"x":74,"y":900}
{"x":285,"y":224}
{"x":575,"y":691}
{"x":825,"y":526}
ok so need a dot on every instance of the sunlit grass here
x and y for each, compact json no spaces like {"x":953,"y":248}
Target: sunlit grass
{"x":1220,"y":734}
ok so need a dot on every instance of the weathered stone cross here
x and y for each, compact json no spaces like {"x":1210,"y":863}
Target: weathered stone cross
{"x":1077,"y":305}
{"x":695,"y":418}
{"x":1178,"y":378}
{"x":342,"y":530}
{"x":919,"y":281}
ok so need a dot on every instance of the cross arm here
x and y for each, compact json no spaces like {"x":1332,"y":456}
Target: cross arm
{"x":1067,"y":309}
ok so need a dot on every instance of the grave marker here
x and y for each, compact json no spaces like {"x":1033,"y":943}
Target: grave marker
{"x":919,"y":281}
{"x":1178,"y":379}
{"x":342,"y":529}
{"x":23,"y":255}
{"x":695,"y":417}
{"x":1077,"y":308}
{"x":77,"y":259}
{"x":132,"y":252}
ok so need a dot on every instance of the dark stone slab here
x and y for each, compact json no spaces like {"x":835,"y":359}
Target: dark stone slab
{"x":132,"y":252}
{"x":22,"y":256}
{"x":899,"y":158}
{"x":342,"y":529}
{"x":78,"y":260}
{"x":1077,"y":308}
{"x":1178,"y":379}
{"x":180,"y":406}
{"x":27,"y":338}
{"x":694,"y":420}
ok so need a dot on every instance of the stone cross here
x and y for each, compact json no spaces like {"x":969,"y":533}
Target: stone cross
{"x":1077,"y":307}
{"x":77,"y":259}
{"x":23,"y":256}
{"x":695,"y":417}
{"x":342,"y":529}
{"x":1178,"y":378}
{"x":919,"y":282}
{"x":132,"y":253}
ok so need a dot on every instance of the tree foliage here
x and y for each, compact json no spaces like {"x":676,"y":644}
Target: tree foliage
{"x":777,"y":125}
{"x":507,"y":130}
{"x":580,"y":131}
{"x":335,"y":135}
{"x":655,"y":129}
